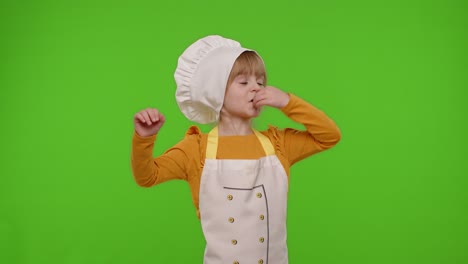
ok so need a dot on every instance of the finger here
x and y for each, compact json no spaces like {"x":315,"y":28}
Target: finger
{"x":154,"y":114}
{"x":161,"y":121}
{"x":146,"y":117}
{"x":161,"y":117}
{"x":261,"y":102}
{"x":139,"y":117}
{"x":260,"y":92}
{"x":265,"y":94}
{"x":259,"y":97}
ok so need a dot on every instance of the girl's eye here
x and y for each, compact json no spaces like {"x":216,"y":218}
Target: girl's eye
{"x":261,"y":84}
{"x":243,"y":83}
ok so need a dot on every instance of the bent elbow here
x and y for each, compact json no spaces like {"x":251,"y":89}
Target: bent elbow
{"x":332,"y":139}
{"x":337,"y":136}
{"x":144,"y":184}
{"x":144,"y":180}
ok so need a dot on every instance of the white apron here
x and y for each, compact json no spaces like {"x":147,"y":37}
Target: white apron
{"x":243,"y":207}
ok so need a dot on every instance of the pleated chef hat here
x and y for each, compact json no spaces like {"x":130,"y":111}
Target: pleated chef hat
{"x":201,"y":76}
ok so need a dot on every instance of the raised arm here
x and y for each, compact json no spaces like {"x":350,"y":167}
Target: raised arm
{"x":321,"y":131}
{"x":149,"y":171}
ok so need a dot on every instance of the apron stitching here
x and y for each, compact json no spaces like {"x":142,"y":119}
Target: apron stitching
{"x":230,"y":188}
{"x":268,"y":223}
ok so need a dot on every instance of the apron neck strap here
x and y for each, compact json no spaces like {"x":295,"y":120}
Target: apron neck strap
{"x":212,"y":143}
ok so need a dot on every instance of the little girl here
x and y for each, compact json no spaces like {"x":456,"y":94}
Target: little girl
{"x":238,"y":176}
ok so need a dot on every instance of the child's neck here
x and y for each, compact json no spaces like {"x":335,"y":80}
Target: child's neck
{"x":234,"y":127}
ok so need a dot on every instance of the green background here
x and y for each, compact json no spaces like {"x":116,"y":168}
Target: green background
{"x":393,"y":76}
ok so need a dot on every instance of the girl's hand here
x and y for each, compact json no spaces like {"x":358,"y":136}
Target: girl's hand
{"x":148,"y":122}
{"x":270,"y":96}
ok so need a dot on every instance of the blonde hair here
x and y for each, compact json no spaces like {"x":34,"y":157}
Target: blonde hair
{"x":248,"y":63}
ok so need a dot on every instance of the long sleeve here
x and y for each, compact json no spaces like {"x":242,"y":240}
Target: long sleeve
{"x":321,"y":132}
{"x":149,"y":171}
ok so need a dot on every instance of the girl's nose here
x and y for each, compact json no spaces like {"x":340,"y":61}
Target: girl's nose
{"x":255,"y":87}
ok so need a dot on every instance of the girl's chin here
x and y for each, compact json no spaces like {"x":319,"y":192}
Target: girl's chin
{"x":250,"y":114}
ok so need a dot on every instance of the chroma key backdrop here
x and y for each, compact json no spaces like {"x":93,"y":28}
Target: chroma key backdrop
{"x":393,"y":75}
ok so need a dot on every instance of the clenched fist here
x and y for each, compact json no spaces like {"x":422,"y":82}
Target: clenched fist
{"x":148,"y":122}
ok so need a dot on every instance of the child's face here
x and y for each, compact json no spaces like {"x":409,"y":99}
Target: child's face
{"x":239,"y":96}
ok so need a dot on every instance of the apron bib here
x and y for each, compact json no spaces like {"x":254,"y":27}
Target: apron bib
{"x":243,"y":207}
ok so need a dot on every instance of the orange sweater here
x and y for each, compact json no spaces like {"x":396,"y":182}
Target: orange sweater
{"x":185,"y":160}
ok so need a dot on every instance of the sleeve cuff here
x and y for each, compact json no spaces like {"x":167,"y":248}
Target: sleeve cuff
{"x":140,"y":139}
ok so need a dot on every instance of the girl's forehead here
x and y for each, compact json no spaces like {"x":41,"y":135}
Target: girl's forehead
{"x":245,"y":75}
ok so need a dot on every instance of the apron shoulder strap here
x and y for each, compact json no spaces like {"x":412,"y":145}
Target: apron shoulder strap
{"x":266,"y":143}
{"x":212,"y":144}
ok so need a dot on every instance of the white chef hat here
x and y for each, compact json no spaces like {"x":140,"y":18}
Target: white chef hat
{"x":201,"y":76}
